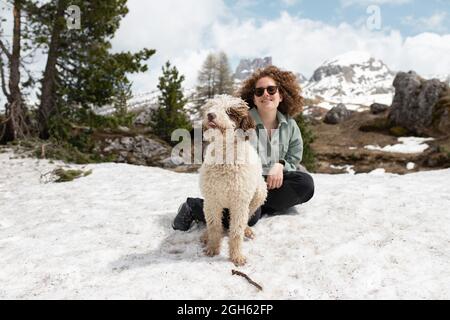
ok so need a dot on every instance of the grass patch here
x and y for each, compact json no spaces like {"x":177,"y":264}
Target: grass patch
{"x":65,"y":151}
{"x":398,"y":131}
{"x":70,"y":174}
{"x":383,"y":125}
{"x":376,"y":125}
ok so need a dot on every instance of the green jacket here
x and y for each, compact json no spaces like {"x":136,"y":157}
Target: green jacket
{"x":286,"y":139}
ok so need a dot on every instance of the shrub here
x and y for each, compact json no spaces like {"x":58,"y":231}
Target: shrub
{"x":309,"y":158}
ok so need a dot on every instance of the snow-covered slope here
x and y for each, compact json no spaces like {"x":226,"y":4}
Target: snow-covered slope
{"x":354,"y":78}
{"x":143,"y":101}
{"x":108,"y":236}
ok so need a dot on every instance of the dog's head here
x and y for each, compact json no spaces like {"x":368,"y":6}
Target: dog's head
{"x":226,"y":112}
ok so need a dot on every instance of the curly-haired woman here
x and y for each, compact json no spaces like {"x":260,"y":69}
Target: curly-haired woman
{"x":274,"y":98}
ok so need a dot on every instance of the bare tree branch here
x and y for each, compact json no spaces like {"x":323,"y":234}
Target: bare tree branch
{"x":235,"y":272}
{"x":5,"y":50}
{"x":2,"y":79}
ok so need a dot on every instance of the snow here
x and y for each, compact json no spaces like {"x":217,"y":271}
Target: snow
{"x":348,"y":168}
{"x":108,"y":236}
{"x":407,"y":145}
{"x":410,"y":165}
{"x":349,"y":58}
{"x":369,"y":81}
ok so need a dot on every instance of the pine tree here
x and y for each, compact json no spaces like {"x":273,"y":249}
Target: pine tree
{"x":81,"y":71}
{"x":170,"y":114}
{"x":225,"y":78}
{"x":214,"y":78}
{"x":207,"y":80}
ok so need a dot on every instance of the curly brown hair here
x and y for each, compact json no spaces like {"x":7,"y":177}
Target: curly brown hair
{"x":288,"y":86}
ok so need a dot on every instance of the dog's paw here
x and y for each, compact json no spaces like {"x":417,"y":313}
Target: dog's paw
{"x":211,"y":252}
{"x":249,"y":234}
{"x":238,"y":260}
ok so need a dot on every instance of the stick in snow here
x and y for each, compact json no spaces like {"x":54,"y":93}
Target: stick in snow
{"x":233,"y":272}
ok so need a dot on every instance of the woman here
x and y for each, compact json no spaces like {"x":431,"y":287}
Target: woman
{"x":274,"y":99}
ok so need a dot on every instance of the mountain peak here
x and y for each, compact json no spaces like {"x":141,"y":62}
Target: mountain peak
{"x":246,"y":67}
{"x":350,"y":58}
{"x":354,"y":76}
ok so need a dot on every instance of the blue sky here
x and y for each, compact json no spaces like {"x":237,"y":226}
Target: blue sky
{"x":410,"y":17}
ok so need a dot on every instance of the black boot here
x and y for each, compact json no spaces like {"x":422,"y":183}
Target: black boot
{"x":189,"y":211}
{"x":184,"y":218}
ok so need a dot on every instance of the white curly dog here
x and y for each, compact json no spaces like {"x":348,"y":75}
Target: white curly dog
{"x":231,"y":174}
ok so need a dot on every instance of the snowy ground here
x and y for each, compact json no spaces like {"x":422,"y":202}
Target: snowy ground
{"x":108,"y":236}
{"x":406,"y":145}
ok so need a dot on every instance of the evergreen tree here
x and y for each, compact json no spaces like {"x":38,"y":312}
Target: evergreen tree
{"x":80,"y":70}
{"x":214,"y":78}
{"x":224,"y":75}
{"x":207,"y":80}
{"x":170,"y":114}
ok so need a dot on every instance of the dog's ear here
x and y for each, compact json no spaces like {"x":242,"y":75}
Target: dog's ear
{"x":247,"y":122}
{"x":241,"y":117}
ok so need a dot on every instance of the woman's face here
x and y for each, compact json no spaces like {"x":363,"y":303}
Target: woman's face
{"x":266,"y":102}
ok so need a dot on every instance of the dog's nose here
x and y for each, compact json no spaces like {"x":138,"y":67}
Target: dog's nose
{"x":211,"y":116}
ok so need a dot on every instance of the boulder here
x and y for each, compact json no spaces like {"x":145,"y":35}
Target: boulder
{"x":337,"y":114}
{"x":139,"y":150}
{"x":414,"y":102}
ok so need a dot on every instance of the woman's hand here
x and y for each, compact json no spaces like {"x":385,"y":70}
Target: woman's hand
{"x":275,"y":177}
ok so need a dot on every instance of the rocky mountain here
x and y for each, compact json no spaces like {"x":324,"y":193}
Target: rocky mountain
{"x":441,"y":77}
{"x":355,"y":79}
{"x":246,"y":67}
{"x":301,"y":78}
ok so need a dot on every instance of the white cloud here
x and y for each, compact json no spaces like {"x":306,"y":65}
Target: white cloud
{"x":176,"y":29}
{"x":185,"y":36}
{"x":432,"y":23}
{"x":302,"y":45}
{"x":347,"y":3}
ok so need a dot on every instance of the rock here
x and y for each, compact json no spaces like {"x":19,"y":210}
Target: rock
{"x":144,"y":117}
{"x":123,"y":129}
{"x":314,"y":113}
{"x":377,"y":108}
{"x":330,"y":70}
{"x":414,"y":102}
{"x":301,"y":78}
{"x":126,"y":143}
{"x":246,"y":67}
{"x":337,"y":114}
{"x":172,"y":162}
{"x":138,"y":150}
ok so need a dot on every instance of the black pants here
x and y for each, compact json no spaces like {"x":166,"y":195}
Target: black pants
{"x":297,"y":188}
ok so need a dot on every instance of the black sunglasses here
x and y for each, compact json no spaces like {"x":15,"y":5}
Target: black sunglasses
{"x":270,"y":90}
